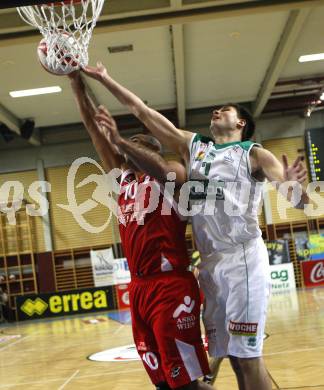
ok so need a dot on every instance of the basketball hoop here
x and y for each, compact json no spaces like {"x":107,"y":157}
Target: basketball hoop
{"x":67,"y":28}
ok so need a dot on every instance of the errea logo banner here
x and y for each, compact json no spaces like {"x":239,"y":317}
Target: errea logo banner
{"x":66,"y":303}
{"x":31,"y":307}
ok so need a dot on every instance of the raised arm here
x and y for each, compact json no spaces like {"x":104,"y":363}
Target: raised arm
{"x":144,"y":158}
{"x":106,"y":151}
{"x":272,"y":169}
{"x":169,"y":135}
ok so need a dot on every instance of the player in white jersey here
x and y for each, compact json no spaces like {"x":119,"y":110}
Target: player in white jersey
{"x":231,"y":193}
{"x":234,"y":271}
{"x":234,"y":268}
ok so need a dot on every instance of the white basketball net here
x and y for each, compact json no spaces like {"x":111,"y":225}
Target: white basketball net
{"x":67,"y":28}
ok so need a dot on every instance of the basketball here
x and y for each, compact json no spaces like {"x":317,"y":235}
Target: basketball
{"x":59,"y":57}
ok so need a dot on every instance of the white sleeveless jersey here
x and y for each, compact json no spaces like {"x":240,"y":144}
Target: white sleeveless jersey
{"x":224,"y":197}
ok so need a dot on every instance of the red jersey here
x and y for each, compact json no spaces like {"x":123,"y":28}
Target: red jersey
{"x":152,"y":242}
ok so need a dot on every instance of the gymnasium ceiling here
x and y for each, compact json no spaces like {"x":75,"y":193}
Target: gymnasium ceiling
{"x":188,"y":56}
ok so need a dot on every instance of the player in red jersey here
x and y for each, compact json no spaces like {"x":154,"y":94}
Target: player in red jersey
{"x":164,"y":296}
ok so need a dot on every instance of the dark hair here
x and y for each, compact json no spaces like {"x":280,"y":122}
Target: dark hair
{"x":243,"y":113}
{"x":148,"y":141}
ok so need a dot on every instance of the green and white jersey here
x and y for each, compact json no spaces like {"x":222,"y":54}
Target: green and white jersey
{"x":224,"y":192}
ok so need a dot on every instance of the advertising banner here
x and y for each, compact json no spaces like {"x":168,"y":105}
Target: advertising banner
{"x":102,"y":267}
{"x":65,"y":303}
{"x":313,"y":273}
{"x":121,"y":272}
{"x":278,"y":251}
{"x":282,"y":277}
{"x":108,"y":271}
{"x":310,"y":247}
{"x":122,"y":293}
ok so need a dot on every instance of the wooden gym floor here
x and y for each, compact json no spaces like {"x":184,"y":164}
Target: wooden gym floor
{"x":52,"y":354}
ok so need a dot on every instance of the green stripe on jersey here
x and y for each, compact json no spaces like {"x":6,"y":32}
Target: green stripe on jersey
{"x":244,"y":145}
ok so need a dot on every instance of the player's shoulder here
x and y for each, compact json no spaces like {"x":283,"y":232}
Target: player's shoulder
{"x":249,"y":145}
{"x":246,"y":146}
{"x":260,"y":158}
{"x":196,"y":137}
{"x":199,"y":143}
{"x":260,"y":152}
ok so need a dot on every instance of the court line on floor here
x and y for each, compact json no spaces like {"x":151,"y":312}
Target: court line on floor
{"x":303,"y":387}
{"x":292,"y":351}
{"x":29,"y":383}
{"x":118,"y":330}
{"x":273,"y":381}
{"x":79,"y":377}
{"x":111,"y":373}
{"x":15,"y":342}
{"x":69,"y":379}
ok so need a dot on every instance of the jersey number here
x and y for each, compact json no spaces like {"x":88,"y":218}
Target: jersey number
{"x":207,"y":166}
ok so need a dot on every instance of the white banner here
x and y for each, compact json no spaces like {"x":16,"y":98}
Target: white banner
{"x":282,"y":277}
{"x":107,"y":270}
{"x":102,"y":267}
{"x":121,"y":271}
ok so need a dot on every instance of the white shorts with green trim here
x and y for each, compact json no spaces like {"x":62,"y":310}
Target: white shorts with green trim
{"x":236,"y":284}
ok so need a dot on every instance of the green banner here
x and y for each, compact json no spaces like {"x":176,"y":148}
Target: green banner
{"x":310,"y":247}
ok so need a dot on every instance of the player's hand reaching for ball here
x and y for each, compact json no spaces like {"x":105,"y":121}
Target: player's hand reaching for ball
{"x":98,"y":72}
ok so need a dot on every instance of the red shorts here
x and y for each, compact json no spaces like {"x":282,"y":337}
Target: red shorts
{"x":165,"y":312}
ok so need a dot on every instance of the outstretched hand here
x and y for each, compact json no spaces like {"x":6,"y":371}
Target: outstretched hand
{"x":294,"y":172}
{"x":96,"y":72}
